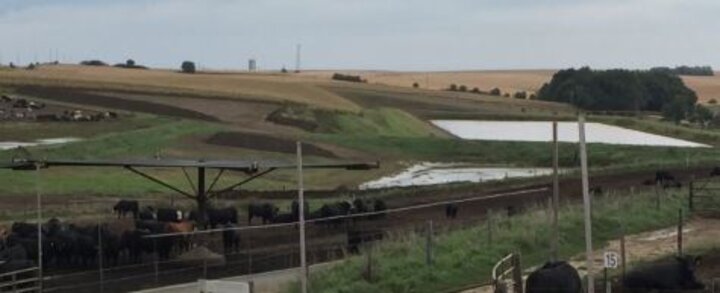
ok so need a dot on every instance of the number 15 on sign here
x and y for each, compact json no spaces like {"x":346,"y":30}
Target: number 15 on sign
{"x":611,"y":259}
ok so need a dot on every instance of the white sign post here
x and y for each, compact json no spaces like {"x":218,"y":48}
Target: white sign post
{"x":611,"y":260}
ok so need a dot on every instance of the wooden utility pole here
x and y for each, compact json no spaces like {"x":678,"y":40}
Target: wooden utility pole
{"x":556,"y":197}
{"x":586,"y":205}
{"x":301,"y":201}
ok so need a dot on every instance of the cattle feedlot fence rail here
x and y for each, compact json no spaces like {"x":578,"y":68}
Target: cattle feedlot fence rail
{"x":25,"y":280}
{"x":507,"y":275}
{"x":704,"y":196}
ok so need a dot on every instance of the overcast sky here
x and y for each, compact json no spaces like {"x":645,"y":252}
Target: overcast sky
{"x":366,"y":34}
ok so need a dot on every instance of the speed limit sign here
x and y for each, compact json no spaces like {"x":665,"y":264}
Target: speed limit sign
{"x":611,"y":259}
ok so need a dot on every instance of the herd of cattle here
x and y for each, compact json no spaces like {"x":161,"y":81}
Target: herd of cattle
{"x":71,"y":245}
{"x":21,"y":109}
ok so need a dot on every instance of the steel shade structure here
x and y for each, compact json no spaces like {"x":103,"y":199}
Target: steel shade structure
{"x":202,"y":193}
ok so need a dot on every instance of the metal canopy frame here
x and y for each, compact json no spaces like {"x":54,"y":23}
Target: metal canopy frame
{"x":201,"y":194}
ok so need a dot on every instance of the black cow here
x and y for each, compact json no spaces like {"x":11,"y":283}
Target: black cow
{"x":285,"y":218}
{"x":295,"y":210}
{"x":266,"y":211}
{"x":677,"y":274}
{"x":123,"y":207}
{"x":378,"y":206}
{"x":451,"y":211}
{"x":558,"y":277}
{"x":662,"y":177}
{"x":168,"y":215}
{"x":222,"y":216}
{"x":147,"y":214}
{"x":341,"y":208}
{"x":715,"y":172}
{"x":23,"y":229}
{"x":231,"y":239}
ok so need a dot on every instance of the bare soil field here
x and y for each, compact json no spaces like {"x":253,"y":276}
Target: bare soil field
{"x":69,"y":95}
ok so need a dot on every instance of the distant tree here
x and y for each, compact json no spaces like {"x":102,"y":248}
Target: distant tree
{"x":475,"y":90}
{"x":188,"y":67}
{"x":532,"y":96}
{"x":463,"y":88}
{"x":621,"y":90}
{"x":416,"y":85}
{"x":495,"y":92}
{"x":520,"y":95}
{"x":130,"y":63}
{"x":93,"y":63}
{"x":712,"y":101}
{"x":12,"y":65}
{"x":507,"y":95}
{"x":31,"y":66}
{"x":453,"y":87}
{"x":674,"y":111}
{"x":702,"y":115}
{"x":346,"y":77}
{"x":284,"y":70}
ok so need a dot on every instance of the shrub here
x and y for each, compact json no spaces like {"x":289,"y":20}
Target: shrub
{"x":345,"y":77}
{"x":93,"y":63}
{"x":495,"y":92}
{"x":463,"y":88}
{"x":520,"y":95}
{"x":453,"y":87}
{"x":416,"y":85}
{"x":188,"y":67}
{"x":712,"y":101}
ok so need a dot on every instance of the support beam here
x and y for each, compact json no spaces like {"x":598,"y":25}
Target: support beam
{"x":231,"y":187}
{"x":587,"y":204}
{"x":215,"y":180}
{"x":555,"y":197}
{"x":158,"y":181}
{"x":201,"y":198}
{"x":187,"y":176}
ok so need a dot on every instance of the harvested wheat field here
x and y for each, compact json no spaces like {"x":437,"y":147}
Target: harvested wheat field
{"x":257,"y":87}
{"x":508,"y":81}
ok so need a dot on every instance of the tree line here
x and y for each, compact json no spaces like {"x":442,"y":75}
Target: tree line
{"x":686,"y":70}
{"x":624,"y":90}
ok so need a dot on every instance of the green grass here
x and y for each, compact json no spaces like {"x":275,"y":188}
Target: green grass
{"x":691,"y":133}
{"x":376,"y":122}
{"x":513,"y":153}
{"x":463,"y":257}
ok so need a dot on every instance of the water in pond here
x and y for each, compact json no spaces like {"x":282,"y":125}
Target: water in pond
{"x":441,"y":173}
{"x":567,"y":132}
{"x":7,"y":145}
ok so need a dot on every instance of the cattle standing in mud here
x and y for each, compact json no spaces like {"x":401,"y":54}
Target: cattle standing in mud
{"x":558,"y":277}
{"x":266,"y":211}
{"x":678,"y":274}
{"x":124,"y":207}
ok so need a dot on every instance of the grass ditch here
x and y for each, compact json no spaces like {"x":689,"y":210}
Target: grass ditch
{"x":463,"y":257}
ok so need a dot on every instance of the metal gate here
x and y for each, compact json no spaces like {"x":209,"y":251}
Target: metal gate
{"x":507,"y":275}
{"x":704,"y":196}
{"x":25,"y":280}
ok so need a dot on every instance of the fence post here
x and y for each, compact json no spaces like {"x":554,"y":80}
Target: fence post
{"x":690,"y":196}
{"x":155,"y":263}
{"x":489,"y":228}
{"x":680,"y":233}
{"x":368,"y":266}
{"x":622,"y":251}
{"x":517,"y":273}
{"x":428,"y":244}
{"x":657,"y":195}
{"x":100,"y":258}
